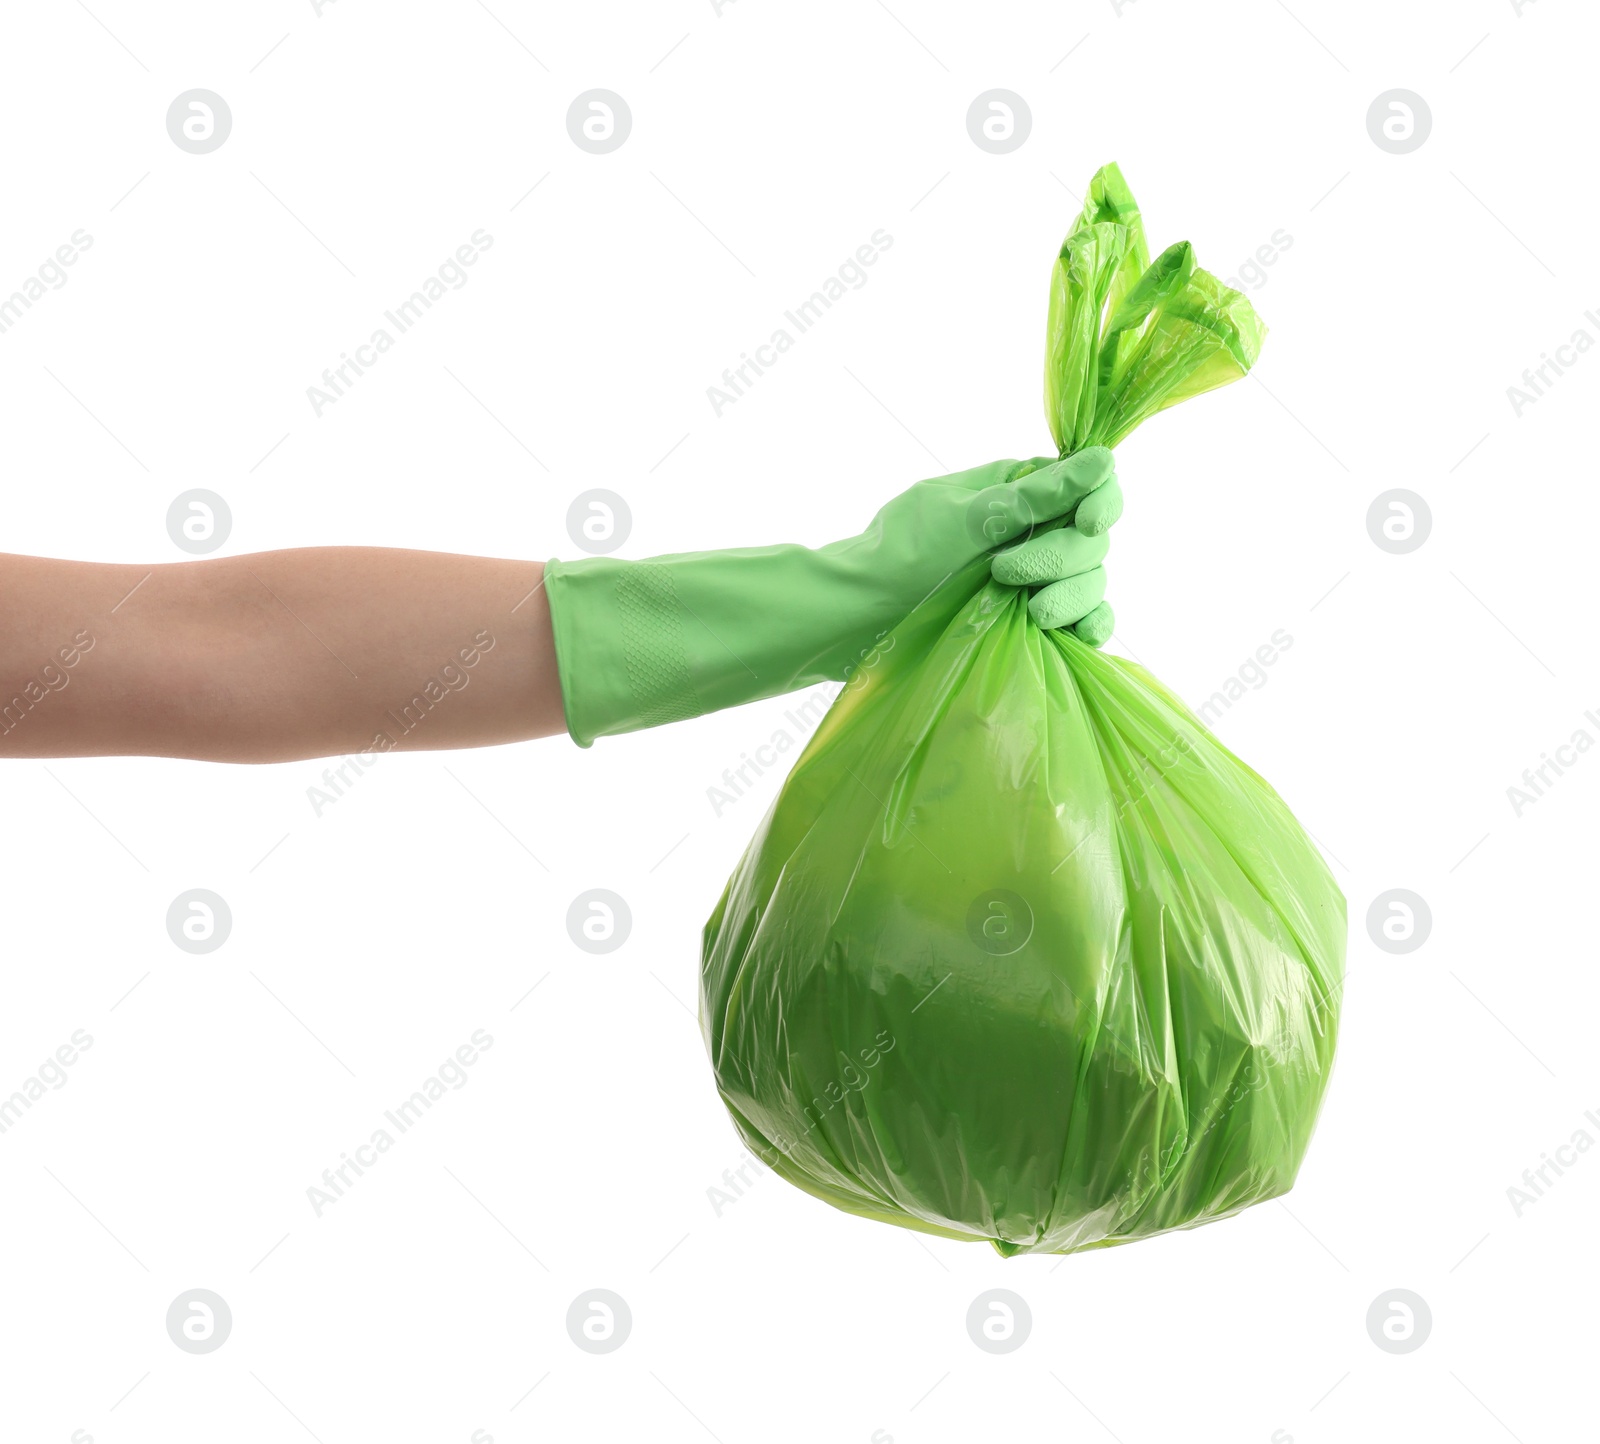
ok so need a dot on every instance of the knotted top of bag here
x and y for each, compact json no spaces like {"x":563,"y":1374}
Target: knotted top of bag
{"x":1128,"y":337}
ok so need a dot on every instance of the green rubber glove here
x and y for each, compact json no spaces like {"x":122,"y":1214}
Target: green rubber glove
{"x":641,"y":643}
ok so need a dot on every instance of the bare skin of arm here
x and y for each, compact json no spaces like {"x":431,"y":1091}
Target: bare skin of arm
{"x":275,"y":656}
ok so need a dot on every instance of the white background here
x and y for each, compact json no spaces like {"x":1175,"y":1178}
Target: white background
{"x":369,"y":942}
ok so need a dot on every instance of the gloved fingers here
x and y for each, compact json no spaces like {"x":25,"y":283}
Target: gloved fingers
{"x":1097,"y":626}
{"x":1051,"y":491}
{"x":1098,"y":511}
{"x":1053,"y":557}
{"x":1063,"y":603}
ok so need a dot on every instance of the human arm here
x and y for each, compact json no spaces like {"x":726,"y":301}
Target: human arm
{"x":274,"y":656}
{"x":641,"y":643}
{"x":322,"y":651}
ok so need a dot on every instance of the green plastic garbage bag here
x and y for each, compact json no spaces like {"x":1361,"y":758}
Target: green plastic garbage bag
{"x":1021,"y":952}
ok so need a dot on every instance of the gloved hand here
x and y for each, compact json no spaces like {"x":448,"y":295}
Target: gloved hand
{"x":642,"y":643}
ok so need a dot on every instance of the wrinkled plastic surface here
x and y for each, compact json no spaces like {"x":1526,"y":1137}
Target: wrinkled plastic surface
{"x":1126,"y":339}
{"x":1021,"y":952}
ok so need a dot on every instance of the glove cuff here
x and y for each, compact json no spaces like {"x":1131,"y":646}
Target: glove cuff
{"x":620,"y":647}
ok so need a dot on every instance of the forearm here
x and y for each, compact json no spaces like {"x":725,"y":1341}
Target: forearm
{"x":663,"y":640}
{"x":676,"y":636}
{"x":274,"y":656}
